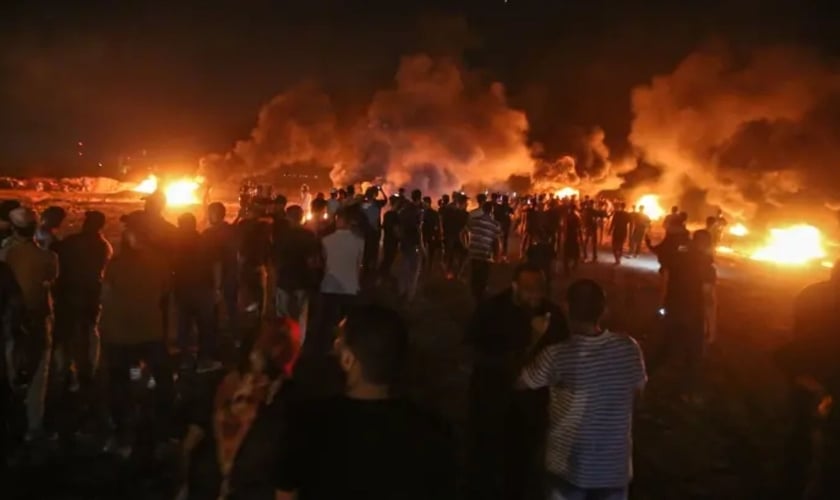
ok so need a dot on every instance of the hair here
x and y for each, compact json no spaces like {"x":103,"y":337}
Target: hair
{"x":427,"y":199}
{"x":217,"y":208}
{"x":526,"y":267}
{"x":280,"y":200}
{"x":377,"y":336}
{"x":587,"y":301}
{"x":416,"y":195}
{"x":318,"y":204}
{"x":487,"y":206}
{"x":481,"y":199}
{"x":94,"y":221}
{"x":294,"y":212}
{"x":53,"y":215}
{"x":187,"y":221}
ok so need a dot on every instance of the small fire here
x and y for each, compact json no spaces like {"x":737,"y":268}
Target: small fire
{"x":796,"y":245}
{"x":567,"y":192}
{"x":739,"y":230}
{"x":179,"y":192}
{"x":724,"y":250}
{"x":651,"y":206}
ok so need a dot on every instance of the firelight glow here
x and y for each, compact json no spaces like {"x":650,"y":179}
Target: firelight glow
{"x":180,"y":192}
{"x":651,"y":205}
{"x":739,"y":230}
{"x":567,"y":192}
{"x":795,"y":246}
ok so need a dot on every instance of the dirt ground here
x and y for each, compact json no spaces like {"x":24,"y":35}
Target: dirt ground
{"x":731,"y":447}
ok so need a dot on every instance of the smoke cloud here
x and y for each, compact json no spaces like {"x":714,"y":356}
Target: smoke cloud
{"x":752,"y":131}
{"x":588,"y":166}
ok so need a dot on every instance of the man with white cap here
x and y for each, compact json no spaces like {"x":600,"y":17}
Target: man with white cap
{"x":35,"y":269}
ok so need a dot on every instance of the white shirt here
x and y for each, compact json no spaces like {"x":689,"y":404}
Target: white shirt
{"x":343,"y":250}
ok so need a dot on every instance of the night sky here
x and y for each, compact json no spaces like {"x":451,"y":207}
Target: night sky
{"x":181,"y":79}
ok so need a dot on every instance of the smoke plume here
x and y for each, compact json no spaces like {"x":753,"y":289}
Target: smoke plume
{"x":752,"y":131}
{"x":587,"y":166}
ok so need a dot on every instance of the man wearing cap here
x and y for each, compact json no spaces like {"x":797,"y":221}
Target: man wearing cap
{"x":35,"y":269}
{"x":82,"y":258}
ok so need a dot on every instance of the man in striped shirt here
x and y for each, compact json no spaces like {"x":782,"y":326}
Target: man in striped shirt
{"x":484,"y":234}
{"x":594,"y":379}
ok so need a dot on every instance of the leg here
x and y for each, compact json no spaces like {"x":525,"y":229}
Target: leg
{"x":302,"y":300}
{"x":37,"y":394}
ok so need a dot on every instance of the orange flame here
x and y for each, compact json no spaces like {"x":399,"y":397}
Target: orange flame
{"x":180,"y":192}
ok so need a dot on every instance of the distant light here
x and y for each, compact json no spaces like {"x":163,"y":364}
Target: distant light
{"x":80,"y":143}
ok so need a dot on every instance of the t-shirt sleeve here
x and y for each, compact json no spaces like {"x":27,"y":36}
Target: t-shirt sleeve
{"x":543,"y":370}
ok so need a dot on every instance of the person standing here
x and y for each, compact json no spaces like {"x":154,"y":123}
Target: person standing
{"x":390,"y":236}
{"x":343,"y":252}
{"x":371,"y":228}
{"x":594,"y":379}
{"x":299,"y":267}
{"x":11,"y":312}
{"x":506,"y":426}
{"x":221,"y":238}
{"x":368,"y":443}
{"x":572,"y":240}
{"x":641,"y":225}
{"x":51,"y":219}
{"x":82,"y":258}
{"x":432,"y":234}
{"x":35,"y":271}
{"x":484,"y":233}
{"x":411,"y":243}
{"x":503,"y":214}
{"x":454,"y":219}
{"x":254,"y":236}
{"x":619,"y":229}
{"x":195,"y":278}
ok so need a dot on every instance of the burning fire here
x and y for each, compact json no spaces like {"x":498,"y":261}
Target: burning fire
{"x":739,"y":230}
{"x":179,"y":192}
{"x":567,"y":192}
{"x":795,"y":246}
{"x":651,"y":205}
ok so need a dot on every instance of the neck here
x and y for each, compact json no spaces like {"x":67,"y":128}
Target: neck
{"x":582,"y":328}
{"x":367,"y":391}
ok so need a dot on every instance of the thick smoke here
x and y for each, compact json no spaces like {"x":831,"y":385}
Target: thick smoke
{"x":588,"y":166}
{"x":752,"y":131}
{"x":438,"y":129}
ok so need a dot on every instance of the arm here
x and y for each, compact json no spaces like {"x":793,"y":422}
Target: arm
{"x":192,"y":439}
{"x":543,"y":371}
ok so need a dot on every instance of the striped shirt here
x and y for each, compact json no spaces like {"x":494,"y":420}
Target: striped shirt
{"x":593,"y":381}
{"x":484,"y":232}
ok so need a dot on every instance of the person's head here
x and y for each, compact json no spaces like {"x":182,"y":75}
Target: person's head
{"x":155,"y":203}
{"x":94,"y":222}
{"x":333,"y":194}
{"x":23,"y":221}
{"x":7,"y":206}
{"x":445,"y":199}
{"x":427,"y":201}
{"x":481,"y":198}
{"x":505,"y":199}
{"x":320,"y":196}
{"x":641,"y":209}
{"x":529,"y":285}
{"x":280,"y":203}
{"x":394,"y":200}
{"x":187,"y":223}
{"x":487,"y":207}
{"x":294,"y":213}
{"x":675,"y":210}
{"x":371,"y":346}
{"x":586,"y":302}
{"x":710,"y":222}
{"x":52,"y":217}
{"x":342,"y":194}
{"x":351,"y":191}
{"x":318,"y":206}
{"x":216,"y":213}
{"x":371,"y":192}
{"x":416,"y":196}
{"x":275,"y":349}
{"x":304,"y":189}
{"x":342,"y":219}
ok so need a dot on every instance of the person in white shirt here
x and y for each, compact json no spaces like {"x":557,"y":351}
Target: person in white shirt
{"x":343,"y":252}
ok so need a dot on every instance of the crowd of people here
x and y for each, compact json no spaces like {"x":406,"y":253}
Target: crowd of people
{"x":251,"y":303}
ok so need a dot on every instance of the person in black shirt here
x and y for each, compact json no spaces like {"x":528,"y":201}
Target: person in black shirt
{"x":619,"y":230}
{"x":390,"y":238}
{"x":507,"y":426}
{"x":504,"y":216}
{"x":11,"y":315}
{"x":82,"y":258}
{"x":454,"y":221}
{"x":410,"y":234}
{"x":368,"y":444}
{"x":238,"y":424}
{"x":196,"y":274}
{"x":572,"y":240}
{"x":431,"y":232}
{"x":541,"y":255}
{"x":221,"y":238}
{"x":254,"y":238}
{"x":298,"y":267}
{"x":590,"y":217}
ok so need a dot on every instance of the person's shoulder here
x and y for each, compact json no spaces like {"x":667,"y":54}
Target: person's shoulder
{"x":622,"y":340}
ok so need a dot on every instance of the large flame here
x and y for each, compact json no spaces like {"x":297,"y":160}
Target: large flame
{"x":651,"y":206}
{"x":796,"y":245}
{"x":739,"y":230}
{"x":567,"y":192}
{"x":179,"y":192}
